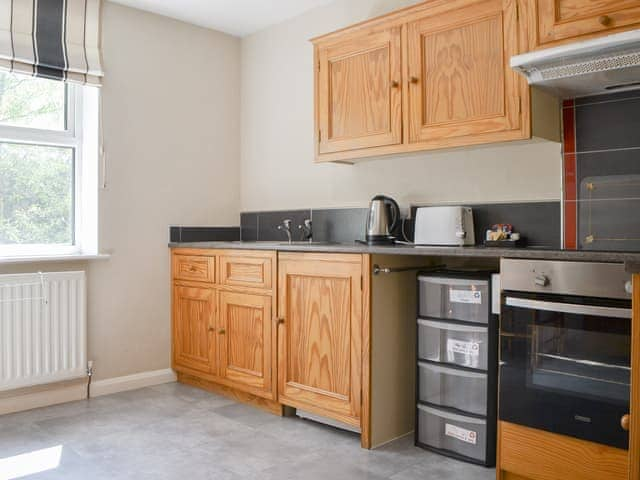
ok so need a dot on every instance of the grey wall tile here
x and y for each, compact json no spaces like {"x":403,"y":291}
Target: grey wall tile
{"x":608,"y":125}
{"x":268,"y":224}
{"x":607,"y":97}
{"x":174,"y":234}
{"x":339,"y":225}
{"x":538,"y":222}
{"x":613,"y":162}
{"x":249,"y":226}
{"x":609,"y":187}
{"x":209,"y":234}
{"x":613,"y":224}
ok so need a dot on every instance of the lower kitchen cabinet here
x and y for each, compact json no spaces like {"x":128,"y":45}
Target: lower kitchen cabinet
{"x":245,"y":340}
{"x":194,"y":339}
{"x":224,"y":337}
{"x":320,"y":338}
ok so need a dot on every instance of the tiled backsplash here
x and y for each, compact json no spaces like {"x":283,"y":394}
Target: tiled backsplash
{"x":602,"y":172}
{"x":203,"y":234}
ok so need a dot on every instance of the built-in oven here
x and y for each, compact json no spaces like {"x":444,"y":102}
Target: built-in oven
{"x":565,"y":348}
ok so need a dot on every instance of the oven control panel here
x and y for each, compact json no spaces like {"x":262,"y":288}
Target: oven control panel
{"x":590,"y":279}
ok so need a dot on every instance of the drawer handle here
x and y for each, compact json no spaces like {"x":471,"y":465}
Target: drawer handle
{"x":414,"y":80}
{"x":624,"y":422}
{"x":212,"y":329}
{"x":193,"y":269}
{"x":605,"y":20}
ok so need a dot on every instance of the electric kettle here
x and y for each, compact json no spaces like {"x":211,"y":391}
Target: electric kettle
{"x":384,"y":215}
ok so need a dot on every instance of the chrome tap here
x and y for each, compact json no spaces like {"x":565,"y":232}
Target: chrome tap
{"x":286,"y":226}
{"x":307,"y":231}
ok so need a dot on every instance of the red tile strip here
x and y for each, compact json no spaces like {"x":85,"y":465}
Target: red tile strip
{"x":570,"y":175}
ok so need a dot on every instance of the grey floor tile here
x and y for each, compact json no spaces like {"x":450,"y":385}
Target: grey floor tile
{"x":246,"y":414}
{"x":177,"y":432}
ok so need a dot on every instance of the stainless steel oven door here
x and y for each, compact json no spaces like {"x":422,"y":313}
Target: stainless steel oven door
{"x":565,"y":365}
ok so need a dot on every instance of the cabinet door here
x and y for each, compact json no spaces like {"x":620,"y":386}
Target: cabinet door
{"x":460,"y":83}
{"x":245,"y":339}
{"x":320,"y":339}
{"x":359,"y":92}
{"x":194,"y":328}
{"x":569,"y":19}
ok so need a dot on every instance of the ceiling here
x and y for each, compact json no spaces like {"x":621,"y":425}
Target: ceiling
{"x":236,"y":17}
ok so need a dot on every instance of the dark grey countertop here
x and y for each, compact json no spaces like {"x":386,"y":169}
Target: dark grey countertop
{"x":631,"y":260}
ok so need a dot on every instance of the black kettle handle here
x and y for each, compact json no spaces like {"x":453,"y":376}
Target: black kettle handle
{"x":395,"y":213}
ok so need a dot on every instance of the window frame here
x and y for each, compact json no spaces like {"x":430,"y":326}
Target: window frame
{"x":78,"y":117}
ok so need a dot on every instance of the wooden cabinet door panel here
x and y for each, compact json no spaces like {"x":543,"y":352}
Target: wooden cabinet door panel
{"x":359,"y":92}
{"x":569,"y":19}
{"x":320,"y":342}
{"x":245,"y":337}
{"x":193,"y":328}
{"x":460,"y":80}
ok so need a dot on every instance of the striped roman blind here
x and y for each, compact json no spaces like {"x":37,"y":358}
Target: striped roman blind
{"x":55,"y":39}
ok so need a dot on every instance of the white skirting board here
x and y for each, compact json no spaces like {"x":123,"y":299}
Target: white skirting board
{"x":132,"y":382}
{"x":57,"y":394}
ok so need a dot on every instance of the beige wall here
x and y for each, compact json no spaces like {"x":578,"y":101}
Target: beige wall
{"x":277,"y":142}
{"x":171,"y":117}
{"x":170,"y":102}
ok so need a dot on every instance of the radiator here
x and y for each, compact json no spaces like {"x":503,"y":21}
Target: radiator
{"x":43,"y":328}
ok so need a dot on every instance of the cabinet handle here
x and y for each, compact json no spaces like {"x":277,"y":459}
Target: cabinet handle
{"x":605,"y":20}
{"x":414,"y":80}
{"x":395,"y":84}
{"x":212,"y":329}
{"x":279,"y":321}
{"x":624,"y":422}
{"x":222,"y":331}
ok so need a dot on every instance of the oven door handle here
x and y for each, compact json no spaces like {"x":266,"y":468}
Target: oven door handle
{"x":568,"y":308}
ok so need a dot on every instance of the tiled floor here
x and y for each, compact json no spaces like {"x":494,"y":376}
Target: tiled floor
{"x":176,"y":432}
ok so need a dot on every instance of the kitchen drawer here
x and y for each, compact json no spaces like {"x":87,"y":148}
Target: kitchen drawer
{"x":459,"y":434}
{"x":197,"y":268}
{"x":454,"y":298}
{"x":246,"y":270}
{"x":462,"y":345}
{"x":453,"y":388}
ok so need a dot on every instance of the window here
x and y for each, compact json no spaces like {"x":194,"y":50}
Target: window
{"x":48,"y":167}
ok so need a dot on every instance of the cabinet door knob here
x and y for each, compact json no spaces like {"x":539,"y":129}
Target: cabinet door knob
{"x":414,"y":79}
{"x":222,"y":331}
{"x":395,"y":84}
{"x":624,"y":422}
{"x":605,"y":20}
{"x":212,"y":329}
{"x":279,"y":321}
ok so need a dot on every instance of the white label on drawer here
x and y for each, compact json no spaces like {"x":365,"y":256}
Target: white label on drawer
{"x":462,"y":434}
{"x":465,"y":296}
{"x":463,"y":348}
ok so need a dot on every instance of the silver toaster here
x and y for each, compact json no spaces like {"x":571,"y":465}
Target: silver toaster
{"x":452,"y":226}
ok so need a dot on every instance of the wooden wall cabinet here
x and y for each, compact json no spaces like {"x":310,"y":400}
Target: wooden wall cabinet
{"x":322,"y":325}
{"x":561,"y":21}
{"x":435,"y":75}
{"x":223,"y":321}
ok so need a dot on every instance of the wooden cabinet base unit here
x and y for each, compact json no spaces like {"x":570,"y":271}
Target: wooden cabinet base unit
{"x":530,"y":454}
{"x":223,"y":319}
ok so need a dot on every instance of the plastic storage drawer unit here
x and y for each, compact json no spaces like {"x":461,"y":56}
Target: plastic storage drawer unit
{"x":464,"y":299}
{"x":456,"y":434}
{"x":453,"y":388}
{"x":461,"y":345}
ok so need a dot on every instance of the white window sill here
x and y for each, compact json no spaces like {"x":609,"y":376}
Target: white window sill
{"x":53,"y":258}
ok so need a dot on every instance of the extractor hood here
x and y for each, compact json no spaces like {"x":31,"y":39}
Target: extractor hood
{"x":603,"y":65}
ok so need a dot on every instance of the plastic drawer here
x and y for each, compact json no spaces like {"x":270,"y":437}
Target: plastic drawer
{"x":466,"y":436}
{"x":451,"y":298}
{"x":462,"y":345}
{"x":453,"y":388}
